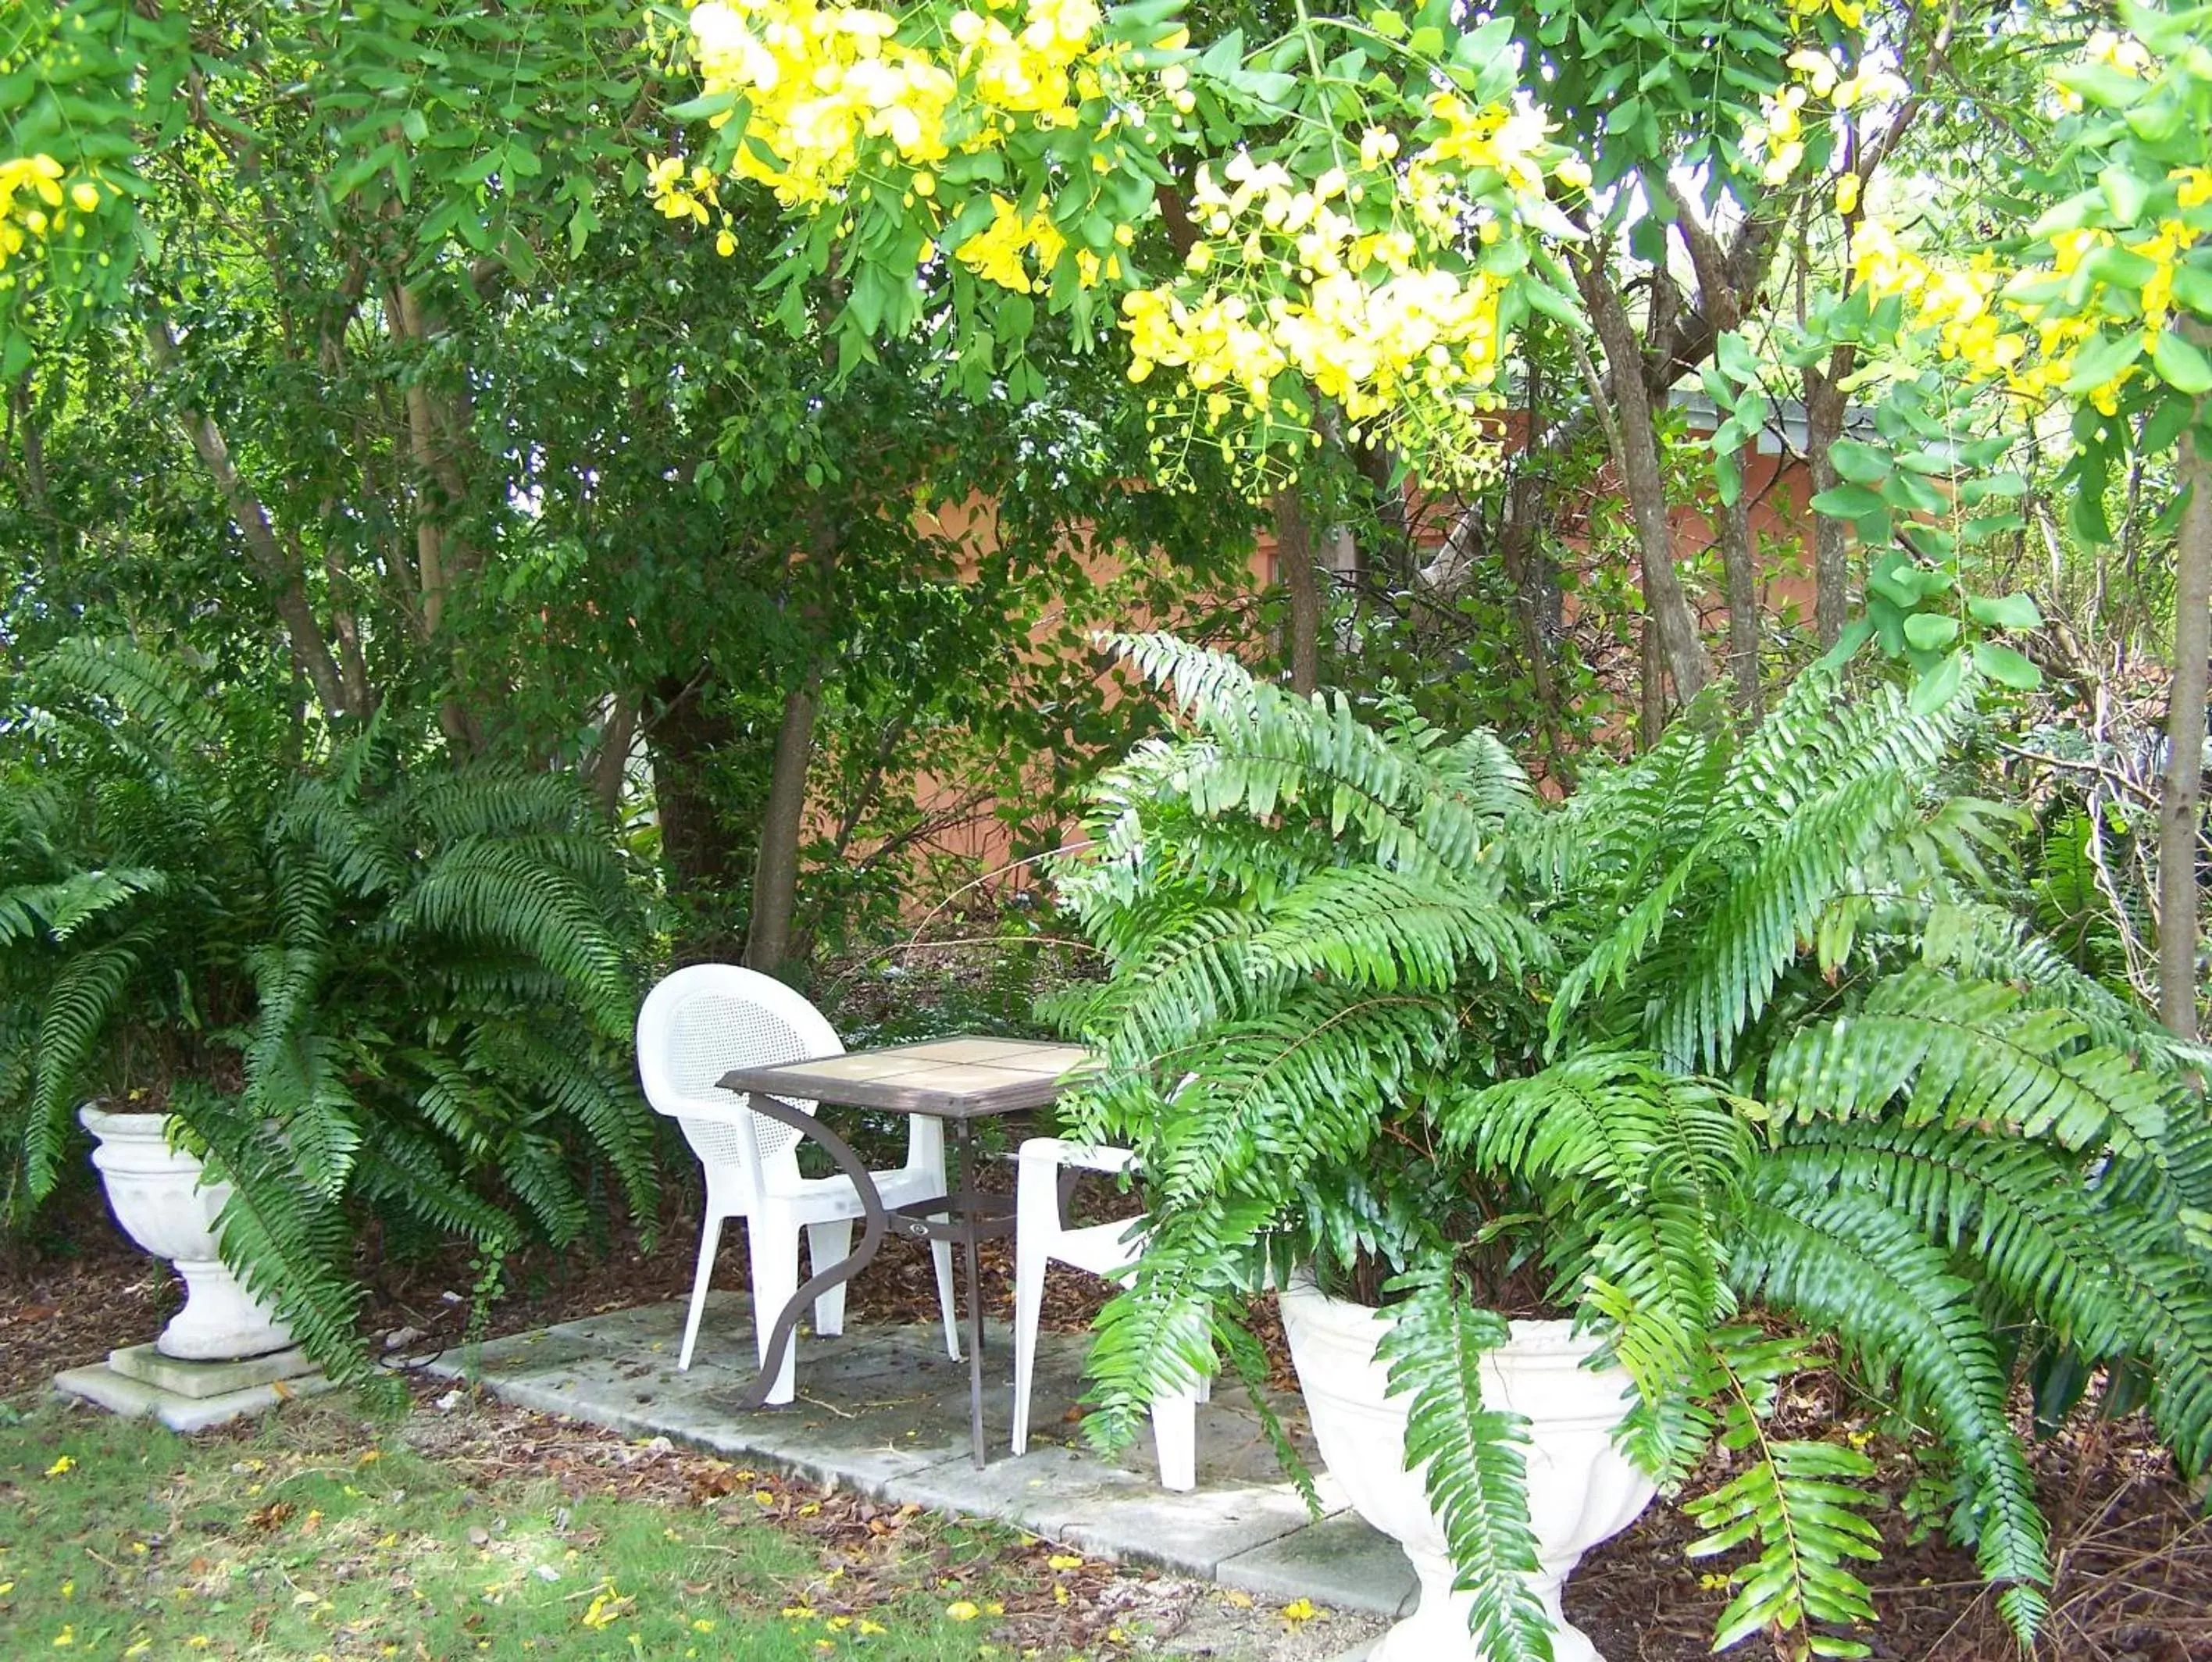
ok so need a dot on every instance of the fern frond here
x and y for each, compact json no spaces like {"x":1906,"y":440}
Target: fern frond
{"x":1795,"y":1501}
{"x":1816,"y":740}
{"x":283,"y":1238}
{"x":558,"y":1071}
{"x":1469,"y":1457}
{"x":87,"y":990}
{"x":1646,"y":1165}
{"x":486,"y":892}
{"x":1849,"y":1264}
{"x":1968,"y":1051}
{"x":400,"y":1171}
{"x":152,"y":696}
{"x":2101,"y":1280}
{"x":1761,"y":913}
{"x":57,"y":910}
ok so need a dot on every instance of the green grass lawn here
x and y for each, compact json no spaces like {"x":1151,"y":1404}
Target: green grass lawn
{"x":325,"y":1535}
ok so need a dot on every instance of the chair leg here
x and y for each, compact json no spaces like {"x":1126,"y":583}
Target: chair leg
{"x":941,"y":1253}
{"x":710,"y":1238}
{"x":827,"y":1244}
{"x":1175,"y":1431}
{"x":1029,"y":1303}
{"x":775,"y":1242}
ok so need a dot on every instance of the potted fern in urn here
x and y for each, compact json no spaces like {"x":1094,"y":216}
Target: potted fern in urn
{"x":1572,"y":1130}
{"x":295,"y":998}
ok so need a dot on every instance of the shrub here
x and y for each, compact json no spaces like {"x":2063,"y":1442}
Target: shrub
{"x":1735,"y":1048}
{"x":367,"y":985}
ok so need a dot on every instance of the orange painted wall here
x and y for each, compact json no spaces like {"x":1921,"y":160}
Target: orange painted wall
{"x":1780,"y":489}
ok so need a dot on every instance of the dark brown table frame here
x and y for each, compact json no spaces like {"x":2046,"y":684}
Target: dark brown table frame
{"x":971,"y":1217}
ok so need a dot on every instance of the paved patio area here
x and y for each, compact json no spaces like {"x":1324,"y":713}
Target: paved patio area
{"x":884,"y":1410}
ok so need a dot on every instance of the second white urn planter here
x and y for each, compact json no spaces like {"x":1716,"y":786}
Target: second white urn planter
{"x":1581,"y":1489}
{"x":160,"y":1200}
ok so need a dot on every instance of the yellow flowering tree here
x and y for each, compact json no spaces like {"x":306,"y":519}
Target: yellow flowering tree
{"x":2090,"y":305}
{"x":1339,"y":225}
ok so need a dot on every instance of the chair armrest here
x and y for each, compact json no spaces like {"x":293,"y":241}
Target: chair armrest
{"x":1050,"y":1152}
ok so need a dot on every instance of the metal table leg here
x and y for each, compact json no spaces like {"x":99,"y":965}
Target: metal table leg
{"x":963,"y":1137}
{"x":964,"y":1223}
{"x":874,"y":1223}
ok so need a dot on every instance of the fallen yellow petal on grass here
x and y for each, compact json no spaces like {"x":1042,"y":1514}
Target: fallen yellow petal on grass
{"x":607,"y":1609}
{"x":64,"y":1462}
{"x":960,"y":1609}
{"x":1065,"y":1561}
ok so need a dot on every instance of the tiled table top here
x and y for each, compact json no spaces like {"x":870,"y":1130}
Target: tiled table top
{"x":958,"y":1078}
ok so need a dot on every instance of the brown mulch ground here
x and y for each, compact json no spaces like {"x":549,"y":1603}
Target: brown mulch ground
{"x":2133,"y":1552}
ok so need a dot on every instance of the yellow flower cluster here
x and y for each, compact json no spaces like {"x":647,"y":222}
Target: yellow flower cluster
{"x":1502,"y":137}
{"x":823,"y":82}
{"x":36,"y":203}
{"x":690,"y":193}
{"x":1982,"y":318}
{"x":1366,"y":324}
{"x":1960,"y":305}
{"x":1779,"y":133}
{"x":828,"y":86}
{"x":1851,"y":14}
{"x":1028,"y":71}
{"x":999,"y":251}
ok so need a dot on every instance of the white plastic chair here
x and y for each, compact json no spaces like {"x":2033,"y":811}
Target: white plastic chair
{"x":697,"y":1025}
{"x":1042,"y":1237}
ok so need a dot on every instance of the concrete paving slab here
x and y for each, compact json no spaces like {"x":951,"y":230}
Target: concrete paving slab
{"x":1340,"y":1561}
{"x":1192,"y":1532}
{"x":885,"y":1411}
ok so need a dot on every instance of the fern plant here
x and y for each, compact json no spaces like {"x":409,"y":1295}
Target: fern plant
{"x":364,"y":989}
{"x":1743,"y":1029}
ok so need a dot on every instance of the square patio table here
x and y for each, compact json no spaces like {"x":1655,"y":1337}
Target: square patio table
{"x":960,"y":1081}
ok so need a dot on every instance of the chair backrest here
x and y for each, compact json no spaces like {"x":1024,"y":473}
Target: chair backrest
{"x":703,"y":1021}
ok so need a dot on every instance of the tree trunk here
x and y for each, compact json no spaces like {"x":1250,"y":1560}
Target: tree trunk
{"x":2181,"y":807}
{"x":1738,"y":561}
{"x":443,"y":561}
{"x":1518,"y":546}
{"x":610,"y":761}
{"x":776,"y":867}
{"x":286,"y":584}
{"x":1651,"y":674}
{"x":1394,"y":551}
{"x":1638,"y":457}
{"x":686,"y":738}
{"x":1294,"y":565}
{"x":1824,"y":425}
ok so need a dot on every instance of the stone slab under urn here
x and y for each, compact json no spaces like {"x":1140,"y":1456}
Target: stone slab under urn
{"x":139,"y":1382}
{"x":226,"y":1353}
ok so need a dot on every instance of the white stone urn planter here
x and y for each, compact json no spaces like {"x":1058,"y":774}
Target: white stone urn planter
{"x":1581,"y":1489}
{"x":161,"y":1198}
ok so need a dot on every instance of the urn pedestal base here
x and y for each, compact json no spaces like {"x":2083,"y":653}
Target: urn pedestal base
{"x":1581,"y":1489}
{"x":139,"y":1382}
